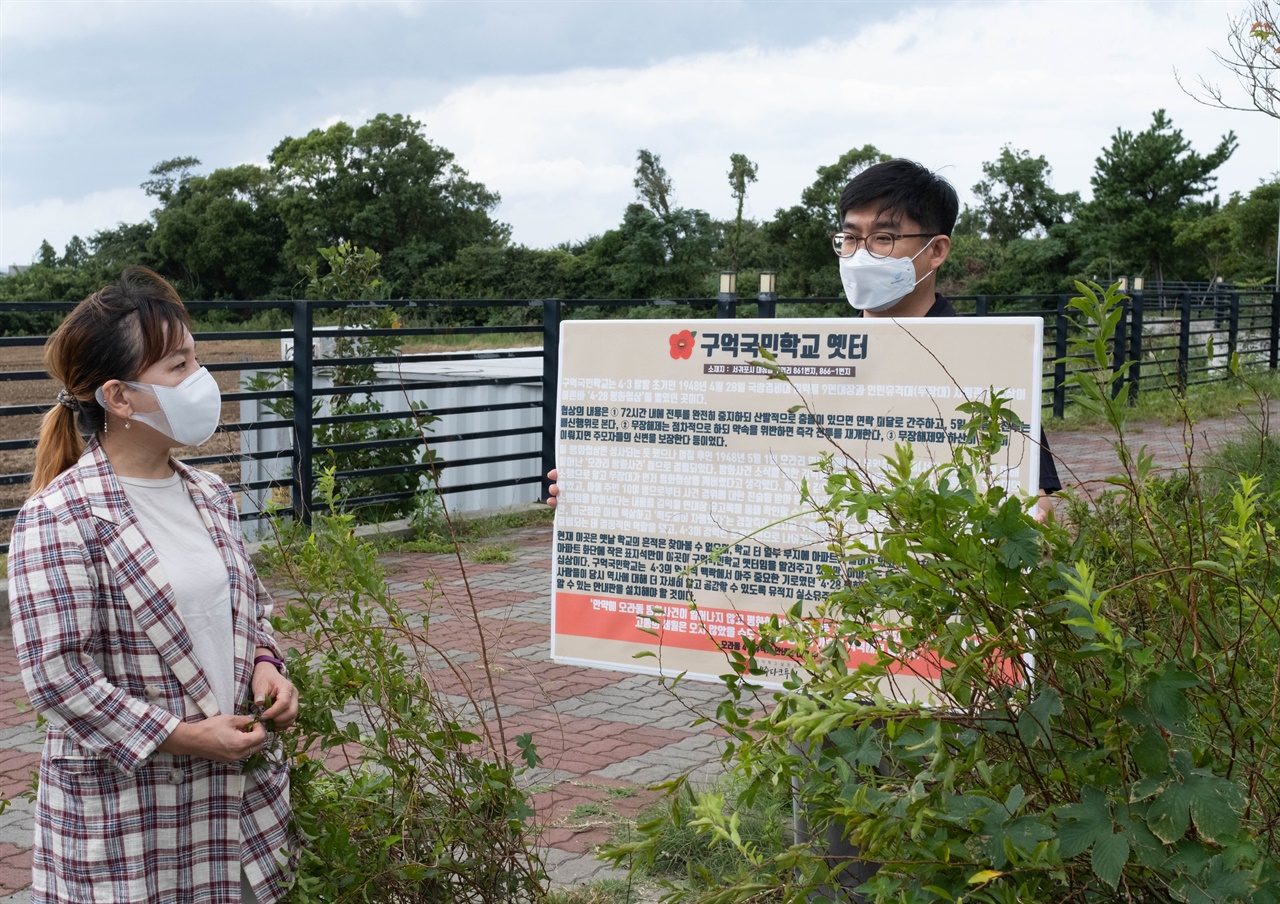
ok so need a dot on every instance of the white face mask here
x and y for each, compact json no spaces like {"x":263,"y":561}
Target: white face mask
{"x":188,"y":413}
{"x":876,"y":283}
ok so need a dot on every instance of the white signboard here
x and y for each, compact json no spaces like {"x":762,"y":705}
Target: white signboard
{"x":672,"y":444}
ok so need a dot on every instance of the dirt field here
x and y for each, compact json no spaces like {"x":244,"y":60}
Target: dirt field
{"x":43,"y":392}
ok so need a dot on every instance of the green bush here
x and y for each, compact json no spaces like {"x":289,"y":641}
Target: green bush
{"x":1105,"y":724}
{"x":424,"y":804}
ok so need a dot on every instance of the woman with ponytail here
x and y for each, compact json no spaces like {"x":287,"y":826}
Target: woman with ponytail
{"x":140,"y":626}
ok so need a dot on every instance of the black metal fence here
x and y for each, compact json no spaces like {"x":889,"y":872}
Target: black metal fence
{"x":1173,"y":339}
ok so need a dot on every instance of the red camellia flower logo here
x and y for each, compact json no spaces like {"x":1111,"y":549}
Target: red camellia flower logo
{"x":682,"y":344}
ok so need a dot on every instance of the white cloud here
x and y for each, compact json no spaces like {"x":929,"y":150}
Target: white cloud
{"x":24,"y":119}
{"x":945,"y":84}
{"x":45,"y":22}
{"x":23,"y":228}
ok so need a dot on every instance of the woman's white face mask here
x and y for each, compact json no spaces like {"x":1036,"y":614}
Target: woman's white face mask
{"x":877,"y":283}
{"x":187,"y":413}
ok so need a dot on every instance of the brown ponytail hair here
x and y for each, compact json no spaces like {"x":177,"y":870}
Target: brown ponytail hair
{"x":114,"y":334}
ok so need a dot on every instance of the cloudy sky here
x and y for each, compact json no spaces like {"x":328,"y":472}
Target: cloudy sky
{"x":547,"y":102}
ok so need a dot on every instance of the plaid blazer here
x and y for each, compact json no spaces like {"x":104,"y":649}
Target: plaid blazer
{"x":106,"y":659}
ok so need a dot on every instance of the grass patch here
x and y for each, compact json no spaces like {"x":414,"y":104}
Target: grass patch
{"x":434,"y":535}
{"x":604,"y":891}
{"x":1167,"y":406}
{"x":593,"y":808}
{"x":491,"y":555}
{"x":1253,"y":454}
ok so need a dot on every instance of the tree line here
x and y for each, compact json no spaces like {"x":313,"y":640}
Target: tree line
{"x":249,"y":231}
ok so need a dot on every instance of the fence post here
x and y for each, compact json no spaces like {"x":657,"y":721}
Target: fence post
{"x":1274,"y":359}
{"x":550,"y":384}
{"x":1233,"y":328}
{"x":1119,"y":349}
{"x":1060,"y":360}
{"x":1135,"y":347}
{"x":980,"y":306}
{"x":1184,"y":339}
{"x":303,"y":476}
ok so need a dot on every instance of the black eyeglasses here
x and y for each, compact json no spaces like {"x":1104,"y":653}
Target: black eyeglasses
{"x":878,"y":244}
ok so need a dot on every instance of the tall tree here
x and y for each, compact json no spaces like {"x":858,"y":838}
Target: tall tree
{"x":652,"y":184}
{"x":1238,"y":240}
{"x":1144,"y":182}
{"x":48,"y":254}
{"x":658,"y":256}
{"x":221,"y":235}
{"x":742,"y":172}
{"x":383,"y":186}
{"x":168,"y":176}
{"x":76,"y":254}
{"x":1017,"y":198}
{"x":125,"y":245}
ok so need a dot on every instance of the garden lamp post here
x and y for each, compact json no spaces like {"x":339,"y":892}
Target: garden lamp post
{"x":768,"y":297}
{"x":1135,"y":338}
{"x":728,"y":294}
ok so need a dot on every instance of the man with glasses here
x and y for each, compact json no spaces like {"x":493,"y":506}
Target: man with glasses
{"x":895,"y":233}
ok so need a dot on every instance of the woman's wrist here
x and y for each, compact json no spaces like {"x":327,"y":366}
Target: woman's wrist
{"x":270,"y":659}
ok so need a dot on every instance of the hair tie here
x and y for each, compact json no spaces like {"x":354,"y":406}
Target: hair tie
{"x":68,"y":401}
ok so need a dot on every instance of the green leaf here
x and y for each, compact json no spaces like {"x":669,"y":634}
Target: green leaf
{"x":1166,"y":697}
{"x":1150,"y":753}
{"x":859,"y":746}
{"x":528,"y":750}
{"x":1110,"y":854}
{"x":1147,"y":787}
{"x":1036,"y":719}
{"x":1169,"y":815}
{"x":1216,"y":805}
{"x":1083,"y":824}
{"x":1223,"y":883}
{"x":1145,"y":848}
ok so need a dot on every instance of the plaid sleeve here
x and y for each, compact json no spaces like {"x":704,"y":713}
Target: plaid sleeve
{"x":265,"y":636}
{"x":53,"y":602}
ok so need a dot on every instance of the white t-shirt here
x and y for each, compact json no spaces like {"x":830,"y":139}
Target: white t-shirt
{"x":196,"y":571}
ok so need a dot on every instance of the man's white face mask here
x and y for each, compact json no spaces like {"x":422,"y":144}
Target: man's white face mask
{"x":878,"y":283}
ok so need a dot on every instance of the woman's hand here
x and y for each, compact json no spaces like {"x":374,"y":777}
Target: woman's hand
{"x":223,"y":739}
{"x":552,"y":493}
{"x":268,"y":682}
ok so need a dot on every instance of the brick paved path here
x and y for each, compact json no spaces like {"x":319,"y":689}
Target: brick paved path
{"x":604,"y":736}
{"x":1084,"y":459}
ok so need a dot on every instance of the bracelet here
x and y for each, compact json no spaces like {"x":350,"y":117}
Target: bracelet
{"x":279,"y":664}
